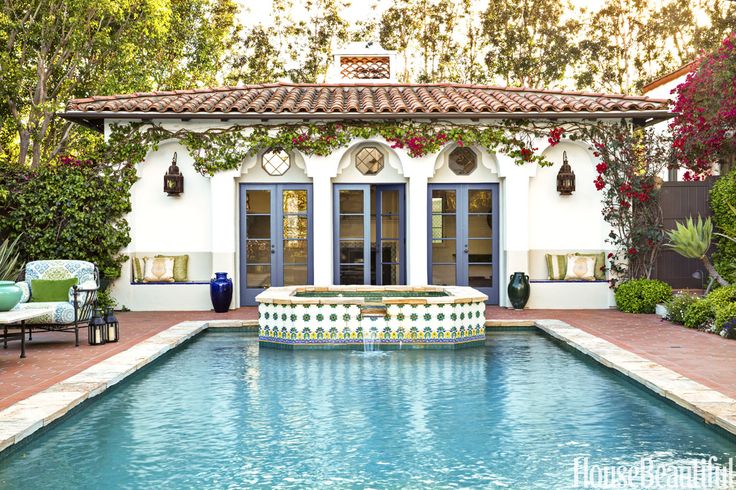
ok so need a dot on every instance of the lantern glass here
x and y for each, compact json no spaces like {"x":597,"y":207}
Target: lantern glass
{"x":96,"y":328}
{"x":112,"y":326}
{"x":173,"y":179}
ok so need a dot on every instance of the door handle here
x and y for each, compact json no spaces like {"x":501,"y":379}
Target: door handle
{"x":466,"y":248}
{"x":273,"y":249}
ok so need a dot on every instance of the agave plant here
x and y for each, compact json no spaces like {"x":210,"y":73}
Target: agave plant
{"x":10,"y":265}
{"x":692,"y":240}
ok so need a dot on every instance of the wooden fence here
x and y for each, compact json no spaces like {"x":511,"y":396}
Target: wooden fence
{"x":679,"y":201}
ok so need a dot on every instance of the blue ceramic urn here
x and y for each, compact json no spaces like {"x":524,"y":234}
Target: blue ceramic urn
{"x":221,"y":292}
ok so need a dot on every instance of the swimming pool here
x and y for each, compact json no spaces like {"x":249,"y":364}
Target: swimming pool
{"x":220,"y":412}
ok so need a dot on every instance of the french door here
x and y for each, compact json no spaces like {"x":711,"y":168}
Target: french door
{"x":275,"y":237}
{"x":463,"y":237}
{"x":369,"y":234}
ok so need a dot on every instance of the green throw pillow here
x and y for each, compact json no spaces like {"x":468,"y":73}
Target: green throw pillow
{"x":181,"y":266}
{"x":51,"y":290}
{"x":600,"y":262}
{"x":556,"y":266}
{"x":137,"y":269}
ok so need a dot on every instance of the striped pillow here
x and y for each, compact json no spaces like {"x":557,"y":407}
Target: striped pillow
{"x":556,"y":266}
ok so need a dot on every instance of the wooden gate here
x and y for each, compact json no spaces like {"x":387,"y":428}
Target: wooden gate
{"x":679,"y":201}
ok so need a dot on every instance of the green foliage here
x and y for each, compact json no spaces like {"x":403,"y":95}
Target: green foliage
{"x":698,"y":314}
{"x":10,"y":264}
{"x":56,"y":50}
{"x":642,"y":295}
{"x":70,"y":210}
{"x":677,"y":307}
{"x":691,"y":240}
{"x":724,"y":313}
{"x":722,"y":202}
{"x":703,"y":312}
{"x":529,"y":42}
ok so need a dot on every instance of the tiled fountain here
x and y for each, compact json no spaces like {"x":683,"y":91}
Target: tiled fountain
{"x":354,"y":317}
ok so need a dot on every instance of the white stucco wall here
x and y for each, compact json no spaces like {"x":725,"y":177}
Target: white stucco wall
{"x":204,"y":221}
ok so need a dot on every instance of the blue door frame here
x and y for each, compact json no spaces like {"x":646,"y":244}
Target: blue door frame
{"x":462,"y":240}
{"x":276,"y":263}
{"x":374,"y":264}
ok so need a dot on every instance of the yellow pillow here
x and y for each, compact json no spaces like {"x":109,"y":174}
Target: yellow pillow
{"x":580,"y":268}
{"x":158,"y":269}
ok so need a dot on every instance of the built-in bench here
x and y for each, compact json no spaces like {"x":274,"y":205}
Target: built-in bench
{"x":565,"y":294}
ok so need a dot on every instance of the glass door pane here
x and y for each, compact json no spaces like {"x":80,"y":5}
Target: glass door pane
{"x":258,"y":244}
{"x":390,"y":201}
{"x":444,"y":232}
{"x":351,"y":246}
{"x":295,"y":236}
{"x":480,"y":238}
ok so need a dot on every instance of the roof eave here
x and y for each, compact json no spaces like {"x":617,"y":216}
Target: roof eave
{"x":92,"y":118}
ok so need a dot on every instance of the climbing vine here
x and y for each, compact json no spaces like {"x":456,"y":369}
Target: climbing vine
{"x":219,"y":149}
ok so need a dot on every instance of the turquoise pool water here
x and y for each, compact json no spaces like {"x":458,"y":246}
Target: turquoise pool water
{"x":220,"y":413}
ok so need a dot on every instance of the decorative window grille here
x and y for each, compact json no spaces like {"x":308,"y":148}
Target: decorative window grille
{"x":463,"y":161}
{"x":276,"y":162}
{"x":369,"y":160}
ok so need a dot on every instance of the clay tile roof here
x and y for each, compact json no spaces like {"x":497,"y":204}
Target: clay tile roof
{"x":331,"y":100}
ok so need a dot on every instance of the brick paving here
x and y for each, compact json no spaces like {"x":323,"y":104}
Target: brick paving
{"x":52,"y":357}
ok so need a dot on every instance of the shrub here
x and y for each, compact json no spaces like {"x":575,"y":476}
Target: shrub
{"x":698,"y":314}
{"x":642,"y":295}
{"x":703,"y":312}
{"x":678,"y":305}
{"x":724,"y":313}
{"x":722,"y":195}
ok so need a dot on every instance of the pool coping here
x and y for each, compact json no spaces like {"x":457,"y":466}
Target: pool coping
{"x":42,"y":409}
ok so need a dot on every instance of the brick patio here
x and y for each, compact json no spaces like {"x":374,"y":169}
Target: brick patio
{"x":702,"y":357}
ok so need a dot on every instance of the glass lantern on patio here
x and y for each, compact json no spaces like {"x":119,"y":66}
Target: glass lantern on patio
{"x":112,"y":326}
{"x":97,"y":328}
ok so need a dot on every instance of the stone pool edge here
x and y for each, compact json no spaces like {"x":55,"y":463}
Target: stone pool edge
{"x":27,"y":416}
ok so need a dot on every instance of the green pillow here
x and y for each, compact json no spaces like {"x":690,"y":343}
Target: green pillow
{"x":556,"y":266}
{"x":600,"y":263}
{"x":137,"y":269}
{"x":51,"y":290}
{"x":181,"y":266}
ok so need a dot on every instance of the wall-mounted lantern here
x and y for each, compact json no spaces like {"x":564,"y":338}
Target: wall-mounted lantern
{"x":173,"y":180}
{"x":565,"y":178}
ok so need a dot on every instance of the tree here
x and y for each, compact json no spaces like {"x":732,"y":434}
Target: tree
{"x":529,"y":42}
{"x":258,"y":58}
{"x":309,"y":42}
{"x":55,"y":50}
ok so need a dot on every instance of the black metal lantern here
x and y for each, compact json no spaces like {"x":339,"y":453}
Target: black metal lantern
{"x":565,"y":178}
{"x":112,"y":327}
{"x":173,"y":180}
{"x":97,"y":328}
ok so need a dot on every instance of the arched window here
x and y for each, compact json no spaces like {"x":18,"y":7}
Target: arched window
{"x":463,"y":161}
{"x":276,"y":162}
{"x":369,"y":160}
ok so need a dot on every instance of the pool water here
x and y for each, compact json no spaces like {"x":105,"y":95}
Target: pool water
{"x":220,"y":413}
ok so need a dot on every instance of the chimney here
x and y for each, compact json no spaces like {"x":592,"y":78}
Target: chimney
{"x":362,"y":62}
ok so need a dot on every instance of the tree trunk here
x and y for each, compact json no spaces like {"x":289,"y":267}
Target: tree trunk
{"x":24,"y":143}
{"x":713,"y":273}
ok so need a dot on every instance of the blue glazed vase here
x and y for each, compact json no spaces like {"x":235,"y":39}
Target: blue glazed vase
{"x":221,"y":292}
{"x":10,"y":295}
{"x":518,"y":290}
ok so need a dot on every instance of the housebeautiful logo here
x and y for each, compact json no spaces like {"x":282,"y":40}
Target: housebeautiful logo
{"x":704,"y":473}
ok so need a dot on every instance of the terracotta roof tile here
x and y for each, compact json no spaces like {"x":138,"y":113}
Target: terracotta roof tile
{"x":333,"y":99}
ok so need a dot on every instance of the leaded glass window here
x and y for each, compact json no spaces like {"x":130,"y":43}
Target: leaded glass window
{"x":463,"y":161}
{"x":369,"y":160}
{"x":276,"y":162}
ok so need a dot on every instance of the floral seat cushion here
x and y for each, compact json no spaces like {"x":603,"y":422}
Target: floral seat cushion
{"x":59,"y":312}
